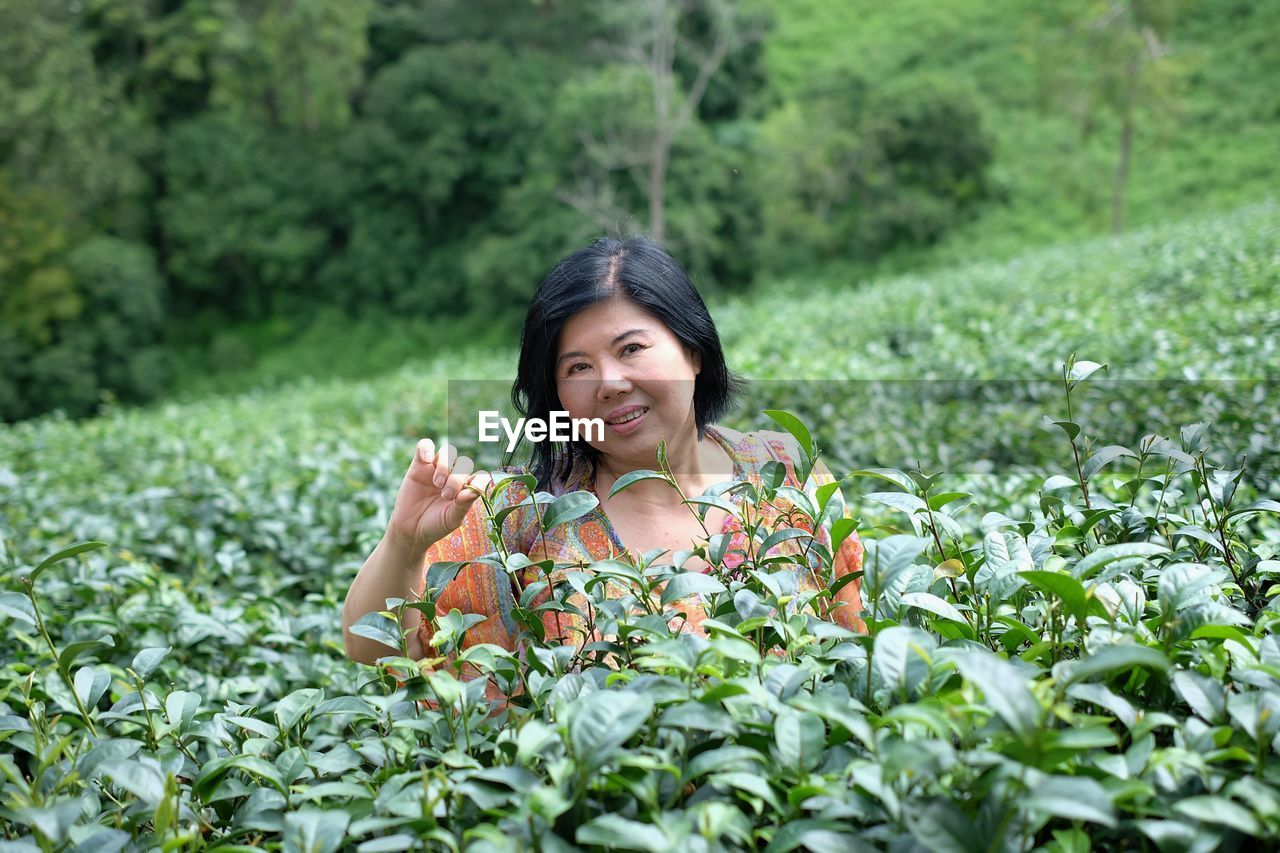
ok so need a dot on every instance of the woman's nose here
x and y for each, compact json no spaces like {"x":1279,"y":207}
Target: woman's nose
{"x":613,"y":380}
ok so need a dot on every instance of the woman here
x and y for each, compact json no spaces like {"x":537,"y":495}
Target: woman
{"x":617,"y":332}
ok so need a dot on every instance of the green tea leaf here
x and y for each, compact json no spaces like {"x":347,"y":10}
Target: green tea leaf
{"x":723,"y":758}
{"x":74,"y":650}
{"x":146,"y":661}
{"x":290,"y":710}
{"x":687,"y":583}
{"x":1095,"y":560}
{"x":1065,"y":588}
{"x":632,"y":477}
{"x":1005,"y":689}
{"x":53,"y":821}
{"x":603,"y":721}
{"x":901,"y":657}
{"x":377,"y":626}
{"x":17,"y":606}
{"x":799,"y":737}
{"x":142,"y":779}
{"x":64,"y":554}
{"x":1110,"y":660}
{"x":315,"y":830}
{"x":933,"y":604}
{"x":942,"y":827}
{"x":1264,"y":505}
{"x":614,"y":831}
{"x":1071,"y":798}
{"x":180,"y":707}
{"x":1204,"y":695}
{"x":1220,"y":810}
{"x":796,"y":427}
{"x":90,"y":684}
{"x":892,"y":475}
{"x":1079,"y":371}
{"x":1103,"y":457}
{"x":568,"y":507}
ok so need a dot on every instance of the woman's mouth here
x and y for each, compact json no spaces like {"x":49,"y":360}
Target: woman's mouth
{"x":628,"y":422}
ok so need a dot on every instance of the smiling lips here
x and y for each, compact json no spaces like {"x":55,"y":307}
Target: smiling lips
{"x":627,"y":419}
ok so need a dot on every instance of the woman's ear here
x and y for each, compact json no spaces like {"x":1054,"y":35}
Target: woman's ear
{"x":696,"y":358}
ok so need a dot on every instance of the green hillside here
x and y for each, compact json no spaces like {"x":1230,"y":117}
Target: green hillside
{"x":1191,"y":301}
{"x":1212,"y":147}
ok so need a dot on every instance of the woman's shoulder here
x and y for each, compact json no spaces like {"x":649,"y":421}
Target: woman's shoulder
{"x":754,"y":449}
{"x":761,"y":446}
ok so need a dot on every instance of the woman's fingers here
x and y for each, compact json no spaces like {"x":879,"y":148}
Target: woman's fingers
{"x":452,"y":474}
{"x":476,"y":485}
{"x":458,"y":475}
{"x":444,"y":463}
{"x":426,"y":451}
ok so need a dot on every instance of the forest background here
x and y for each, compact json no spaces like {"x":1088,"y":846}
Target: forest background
{"x":208,"y":195}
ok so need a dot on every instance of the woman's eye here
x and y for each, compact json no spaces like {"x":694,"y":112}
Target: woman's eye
{"x":630,"y":348}
{"x":574,"y":368}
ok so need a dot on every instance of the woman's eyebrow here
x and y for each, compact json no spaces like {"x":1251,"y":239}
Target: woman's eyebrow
{"x":617,"y":340}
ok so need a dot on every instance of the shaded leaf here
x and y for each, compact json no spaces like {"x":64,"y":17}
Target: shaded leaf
{"x":685,"y":584}
{"x":603,"y":721}
{"x":146,"y":661}
{"x":614,"y":831}
{"x":1072,"y":798}
{"x":1005,"y":689}
{"x":315,"y":830}
{"x":64,"y":554}
{"x":568,"y":507}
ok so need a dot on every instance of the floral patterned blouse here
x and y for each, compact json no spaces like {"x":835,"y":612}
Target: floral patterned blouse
{"x":488,"y":590}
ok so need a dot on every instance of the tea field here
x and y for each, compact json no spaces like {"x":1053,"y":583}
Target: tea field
{"x":1069,"y":586}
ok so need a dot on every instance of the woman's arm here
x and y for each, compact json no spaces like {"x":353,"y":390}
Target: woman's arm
{"x":437,"y":494}
{"x":393,"y":570}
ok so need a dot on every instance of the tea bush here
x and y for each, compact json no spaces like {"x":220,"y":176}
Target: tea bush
{"x":1072,"y":652}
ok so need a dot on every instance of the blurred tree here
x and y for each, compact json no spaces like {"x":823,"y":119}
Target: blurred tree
{"x":445,"y":131}
{"x":245,"y":221}
{"x":254,"y":99}
{"x":77,"y":324}
{"x":291,"y":64}
{"x":655,"y":41}
{"x":74,"y":279}
{"x":67,"y":133}
{"x":241,"y":161}
{"x":562,"y":27}
{"x":1114,"y":58}
{"x":851,"y":171}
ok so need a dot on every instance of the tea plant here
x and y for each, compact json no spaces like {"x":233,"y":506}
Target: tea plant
{"x":1101,"y":671}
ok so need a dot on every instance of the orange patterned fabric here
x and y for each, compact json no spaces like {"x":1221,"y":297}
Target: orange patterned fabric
{"x":490,"y":591}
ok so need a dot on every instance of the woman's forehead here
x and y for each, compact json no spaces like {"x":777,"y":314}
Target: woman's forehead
{"x":601,"y":323}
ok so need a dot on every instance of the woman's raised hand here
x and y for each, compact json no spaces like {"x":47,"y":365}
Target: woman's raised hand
{"x":435,"y":495}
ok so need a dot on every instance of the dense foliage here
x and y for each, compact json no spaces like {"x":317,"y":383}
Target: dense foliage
{"x":240,"y":164}
{"x":1077,"y":650}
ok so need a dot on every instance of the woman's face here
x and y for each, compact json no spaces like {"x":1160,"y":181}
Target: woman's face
{"x":616,"y":361}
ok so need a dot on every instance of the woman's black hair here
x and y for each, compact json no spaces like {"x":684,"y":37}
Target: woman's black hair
{"x":640,"y":270}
